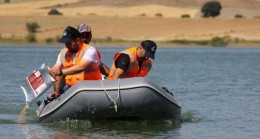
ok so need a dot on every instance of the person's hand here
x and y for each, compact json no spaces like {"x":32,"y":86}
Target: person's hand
{"x":55,"y":72}
{"x":53,"y":95}
{"x":50,"y":97}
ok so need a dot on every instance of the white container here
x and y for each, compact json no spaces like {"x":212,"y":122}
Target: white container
{"x":36,"y":84}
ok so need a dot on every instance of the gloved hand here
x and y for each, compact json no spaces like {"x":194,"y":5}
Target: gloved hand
{"x":50,"y":98}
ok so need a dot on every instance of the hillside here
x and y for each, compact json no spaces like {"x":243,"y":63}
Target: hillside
{"x":127,"y":8}
{"x":132,"y":20}
{"x":175,"y":3}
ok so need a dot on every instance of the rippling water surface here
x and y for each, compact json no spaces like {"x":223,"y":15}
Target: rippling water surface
{"x":218,"y":89}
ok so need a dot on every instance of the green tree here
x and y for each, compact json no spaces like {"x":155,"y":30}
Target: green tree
{"x":32,"y":27}
{"x":211,"y":9}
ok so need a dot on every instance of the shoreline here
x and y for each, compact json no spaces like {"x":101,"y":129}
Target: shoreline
{"x":121,"y":30}
{"x":163,"y":44}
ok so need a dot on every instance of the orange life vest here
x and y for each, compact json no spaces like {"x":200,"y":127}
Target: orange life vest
{"x":133,"y":70}
{"x":68,"y":59}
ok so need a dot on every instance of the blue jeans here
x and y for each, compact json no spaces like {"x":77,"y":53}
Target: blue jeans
{"x":63,"y":88}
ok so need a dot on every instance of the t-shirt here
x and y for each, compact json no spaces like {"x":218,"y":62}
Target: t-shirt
{"x":122,"y":62}
{"x":91,"y":55}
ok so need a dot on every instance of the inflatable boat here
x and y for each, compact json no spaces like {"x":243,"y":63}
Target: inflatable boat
{"x":131,"y":98}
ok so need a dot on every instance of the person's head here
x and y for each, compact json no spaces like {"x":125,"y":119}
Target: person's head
{"x":86,"y":33}
{"x":146,"y":50}
{"x":71,"y":38}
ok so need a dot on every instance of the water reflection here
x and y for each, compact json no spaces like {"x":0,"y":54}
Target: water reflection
{"x":84,"y":129}
{"x":113,"y":128}
{"x":189,"y":116}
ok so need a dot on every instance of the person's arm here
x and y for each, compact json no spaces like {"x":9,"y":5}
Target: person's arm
{"x":89,"y":56}
{"x":122,"y":64}
{"x":72,"y":70}
{"x":104,"y":69}
{"x":117,"y":73}
{"x":76,"y":68}
{"x":58,"y":66}
{"x":59,"y":80}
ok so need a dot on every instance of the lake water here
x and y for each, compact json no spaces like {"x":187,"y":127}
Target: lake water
{"x":218,"y":88}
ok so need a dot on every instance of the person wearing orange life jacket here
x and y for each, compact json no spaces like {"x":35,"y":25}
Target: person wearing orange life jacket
{"x":86,"y":36}
{"x":133,"y":62}
{"x":77,"y":62}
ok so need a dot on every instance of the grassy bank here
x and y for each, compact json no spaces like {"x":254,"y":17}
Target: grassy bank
{"x":109,"y":41}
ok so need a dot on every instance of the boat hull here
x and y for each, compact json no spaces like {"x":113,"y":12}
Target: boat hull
{"x":133,"y":98}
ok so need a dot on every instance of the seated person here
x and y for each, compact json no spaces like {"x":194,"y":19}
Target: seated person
{"x":86,"y":36}
{"x":76,"y":62}
{"x":133,"y":62}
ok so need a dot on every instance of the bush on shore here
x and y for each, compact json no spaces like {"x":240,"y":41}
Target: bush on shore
{"x":54,"y":12}
{"x":219,"y":41}
{"x":31,"y":37}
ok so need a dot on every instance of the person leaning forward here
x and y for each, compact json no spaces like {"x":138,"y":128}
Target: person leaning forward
{"x":76,"y":62}
{"x":86,"y":36}
{"x":133,"y":62}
